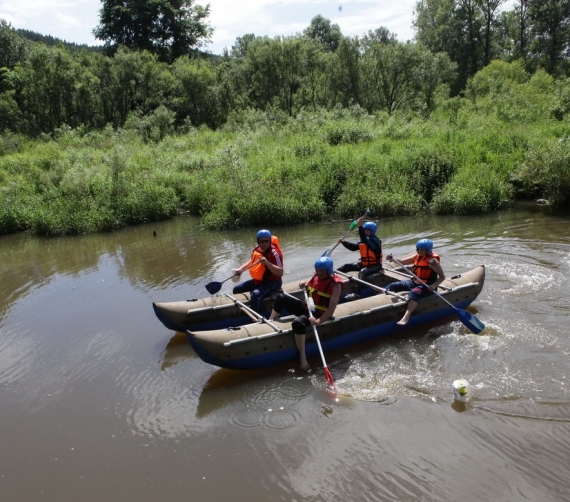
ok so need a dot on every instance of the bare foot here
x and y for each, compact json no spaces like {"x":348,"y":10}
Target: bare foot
{"x":304,"y":365}
{"x":402,"y":322}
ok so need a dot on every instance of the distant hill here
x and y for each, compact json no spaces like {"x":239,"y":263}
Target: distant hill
{"x":49,"y":40}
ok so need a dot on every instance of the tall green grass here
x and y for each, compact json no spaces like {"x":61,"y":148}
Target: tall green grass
{"x":268,"y":169}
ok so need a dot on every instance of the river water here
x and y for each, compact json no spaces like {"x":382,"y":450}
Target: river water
{"x":100,"y":402}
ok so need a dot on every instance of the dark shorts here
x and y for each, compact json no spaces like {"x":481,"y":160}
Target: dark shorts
{"x":258,"y":292}
{"x":295,"y":307}
{"x":417,"y":291}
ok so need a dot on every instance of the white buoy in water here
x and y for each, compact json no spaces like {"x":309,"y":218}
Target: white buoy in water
{"x":461,"y":390}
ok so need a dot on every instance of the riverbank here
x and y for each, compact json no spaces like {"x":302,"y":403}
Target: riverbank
{"x":263,"y":168}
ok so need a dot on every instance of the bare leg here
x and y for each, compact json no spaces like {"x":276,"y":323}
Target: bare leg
{"x":274,"y":315}
{"x":411,"y":307}
{"x":300,"y":341}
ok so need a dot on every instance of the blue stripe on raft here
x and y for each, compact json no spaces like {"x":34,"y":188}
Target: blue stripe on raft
{"x":356,"y":337}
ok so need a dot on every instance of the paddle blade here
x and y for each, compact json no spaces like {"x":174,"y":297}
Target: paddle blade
{"x":213,"y":287}
{"x":326,"y":253}
{"x":470,"y":321}
{"x":329,"y":377}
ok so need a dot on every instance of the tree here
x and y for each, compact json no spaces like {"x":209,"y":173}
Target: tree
{"x":345,"y":73}
{"x":488,"y":10}
{"x":57,"y":89}
{"x":195,"y":82}
{"x":513,"y":33}
{"x":273,"y":72}
{"x":453,"y":27}
{"x":314,"y":62}
{"x":550,"y":27}
{"x":239,"y":50}
{"x":168,"y":28}
{"x":327,"y":34}
{"x":521,"y":11}
{"x":380,"y":35}
{"x":13,"y":48}
{"x":398,"y":76}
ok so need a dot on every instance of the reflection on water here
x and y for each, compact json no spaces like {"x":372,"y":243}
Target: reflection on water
{"x":100,"y":401}
{"x":177,"y":350}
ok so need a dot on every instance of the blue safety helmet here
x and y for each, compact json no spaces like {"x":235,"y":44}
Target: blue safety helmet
{"x":425,"y":244}
{"x":370,"y":225}
{"x":324,"y":263}
{"x":263,"y":234}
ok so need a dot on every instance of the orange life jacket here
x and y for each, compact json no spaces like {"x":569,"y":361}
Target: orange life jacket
{"x":321,"y":291}
{"x":422,"y":269}
{"x":260,"y":272}
{"x":367,"y":256}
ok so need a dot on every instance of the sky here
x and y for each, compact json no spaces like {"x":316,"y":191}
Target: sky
{"x":74,"y":20}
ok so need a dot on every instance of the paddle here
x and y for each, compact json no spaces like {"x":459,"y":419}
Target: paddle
{"x":328,"y":375}
{"x":214,"y":286}
{"x":469,"y":320}
{"x":252,"y":313}
{"x":394,"y":271}
{"x":369,"y":284}
{"x":328,"y":252}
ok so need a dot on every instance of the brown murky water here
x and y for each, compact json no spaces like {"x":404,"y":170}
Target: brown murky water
{"x":100,"y":402}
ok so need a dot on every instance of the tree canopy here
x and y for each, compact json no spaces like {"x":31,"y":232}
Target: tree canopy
{"x":168,"y":28}
{"x":327,"y":34}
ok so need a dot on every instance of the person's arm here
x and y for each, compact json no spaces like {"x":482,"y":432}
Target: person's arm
{"x":436,"y":267}
{"x":362,"y":233}
{"x":404,"y":261}
{"x":239,"y":271}
{"x":327,"y":314}
{"x":351,"y":246}
{"x":275,"y":268}
{"x":374,"y":244}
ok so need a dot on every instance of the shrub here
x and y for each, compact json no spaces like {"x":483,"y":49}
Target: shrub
{"x":474,"y":191}
{"x":546,"y":170}
{"x":346,"y":132}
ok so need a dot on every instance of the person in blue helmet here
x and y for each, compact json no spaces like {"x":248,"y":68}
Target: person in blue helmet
{"x":370,"y":247}
{"x":426,"y":265}
{"x":266,"y":270}
{"x":323,"y":290}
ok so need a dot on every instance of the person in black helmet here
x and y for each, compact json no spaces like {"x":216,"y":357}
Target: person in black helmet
{"x":323,"y":290}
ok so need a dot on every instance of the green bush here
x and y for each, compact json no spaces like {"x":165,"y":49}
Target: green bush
{"x":475,"y":191}
{"x":346,"y":133}
{"x":545,"y":171}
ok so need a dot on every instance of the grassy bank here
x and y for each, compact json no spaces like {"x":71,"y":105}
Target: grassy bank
{"x":267,"y":169}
